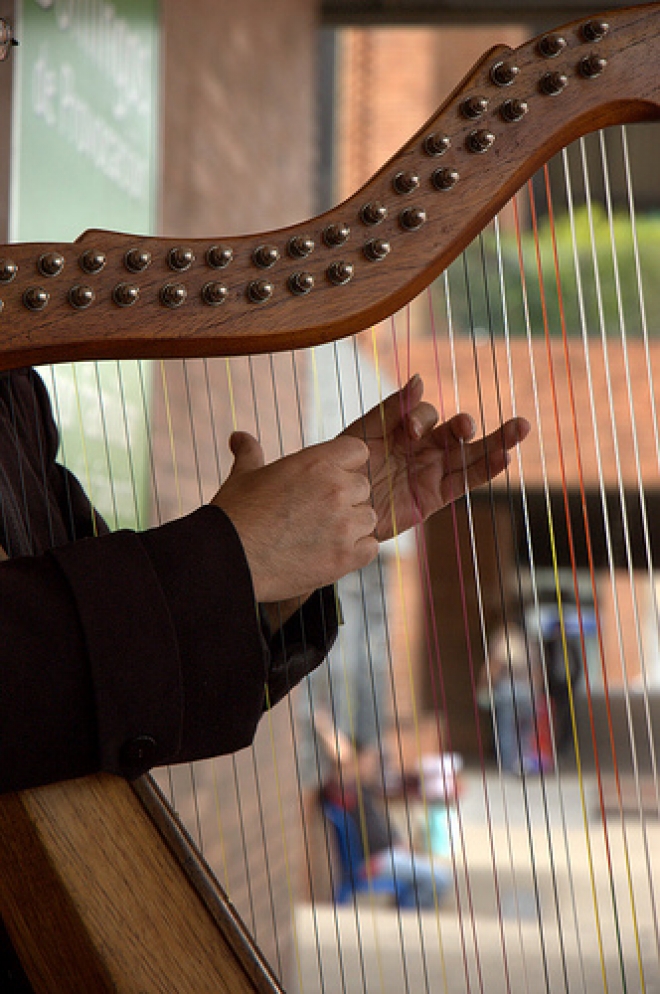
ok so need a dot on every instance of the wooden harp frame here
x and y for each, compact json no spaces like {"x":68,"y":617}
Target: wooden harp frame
{"x":88,"y":879}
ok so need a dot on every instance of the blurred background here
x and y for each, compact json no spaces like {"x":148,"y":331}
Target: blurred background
{"x":212,"y":119}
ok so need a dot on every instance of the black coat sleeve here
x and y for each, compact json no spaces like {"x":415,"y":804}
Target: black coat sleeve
{"x":131,"y":650}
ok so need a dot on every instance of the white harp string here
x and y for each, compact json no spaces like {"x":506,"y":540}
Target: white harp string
{"x":546,"y":875}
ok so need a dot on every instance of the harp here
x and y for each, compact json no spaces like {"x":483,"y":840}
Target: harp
{"x":112,"y":296}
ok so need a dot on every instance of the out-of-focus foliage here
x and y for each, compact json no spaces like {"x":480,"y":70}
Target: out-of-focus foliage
{"x":601,"y":274}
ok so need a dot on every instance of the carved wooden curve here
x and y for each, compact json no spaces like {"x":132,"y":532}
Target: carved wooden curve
{"x":111,"y":295}
{"x":140,"y":925}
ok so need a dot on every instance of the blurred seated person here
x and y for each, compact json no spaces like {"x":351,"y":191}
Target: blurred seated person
{"x":417,"y":880}
{"x":510,"y":684}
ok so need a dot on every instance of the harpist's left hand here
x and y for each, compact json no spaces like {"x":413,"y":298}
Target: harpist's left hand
{"x":417,"y":466}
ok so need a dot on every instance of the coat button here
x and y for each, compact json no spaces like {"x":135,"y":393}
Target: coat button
{"x":138,"y":753}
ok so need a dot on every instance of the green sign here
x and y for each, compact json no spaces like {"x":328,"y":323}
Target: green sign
{"x":84,"y":128}
{"x":84,"y":155}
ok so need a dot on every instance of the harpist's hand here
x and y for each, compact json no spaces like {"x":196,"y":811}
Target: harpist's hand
{"x":305,"y":520}
{"x":310,"y":518}
{"x":417,"y":466}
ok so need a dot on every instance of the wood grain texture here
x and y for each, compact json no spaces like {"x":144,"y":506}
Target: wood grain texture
{"x":94,"y":895}
{"x":626,"y":90}
{"x":95,"y":900}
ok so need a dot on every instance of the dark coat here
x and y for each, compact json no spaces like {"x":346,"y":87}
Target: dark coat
{"x":128,"y":650}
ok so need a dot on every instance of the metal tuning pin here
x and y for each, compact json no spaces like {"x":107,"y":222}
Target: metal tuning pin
{"x":137,"y":260}
{"x":474,"y":107}
{"x":265,"y":256}
{"x":336,"y":234}
{"x":595,"y":30}
{"x":219,"y":256}
{"x":340,"y":273}
{"x":92,"y":262}
{"x":405,"y":182}
{"x":300,"y":246}
{"x":301,"y":283}
{"x":504,"y":73}
{"x":50,"y":264}
{"x":592,"y":66}
{"x":180,"y":258}
{"x":173,"y":295}
{"x":514,"y":110}
{"x":436,"y":144}
{"x":445,"y":178}
{"x":377,"y":249}
{"x":412,"y":218}
{"x":8,"y":270}
{"x":81,"y":296}
{"x":551,"y":46}
{"x":259,"y":291}
{"x":553,"y":83}
{"x":214,"y":293}
{"x":373,"y":212}
{"x":480,"y":141}
{"x":36,"y":298}
{"x":125,"y":294}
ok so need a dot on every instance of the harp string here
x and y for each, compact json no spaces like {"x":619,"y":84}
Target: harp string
{"x":130,"y":445}
{"x":459,"y":845}
{"x":294,"y":742}
{"x":626,"y":531}
{"x":305,"y":826}
{"x":435,"y":629}
{"x":569,"y":535}
{"x":215,"y":450}
{"x":379,"y":732}
{"x":628,"y":549}
{"x":519,"y":596}
{"x":647,"y":543}
{"x":367,"y":640}
{"x":632,"y":213}
{"x":292,"y":724}
{"x":574,"y":423}
{"x":253,"y":374}
{"x":616,"y":770}
{"x":574,"y":420}
{"x":545,"y":806}
{"x":502,"y":585}
{"x":28,"y":527}
{"x":635,"y":445}
{"x":529,"y":548}
{"x":339,"y":662}
{"x":645,"y":524}
{"x":106,"y":443}
{"x":408,"y":652}
{"x":253,"y":754}
{"x":430,"y":629}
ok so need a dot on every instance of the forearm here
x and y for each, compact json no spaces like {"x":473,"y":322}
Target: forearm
{"x":134,"y":650}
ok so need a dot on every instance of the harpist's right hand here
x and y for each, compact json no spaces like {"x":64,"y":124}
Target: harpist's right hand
{"x":305,"y":520}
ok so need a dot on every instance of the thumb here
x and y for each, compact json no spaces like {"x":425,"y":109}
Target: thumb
{"x":248,"y":454}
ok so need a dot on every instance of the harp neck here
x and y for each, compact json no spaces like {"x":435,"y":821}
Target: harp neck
{"x":111,"y":295}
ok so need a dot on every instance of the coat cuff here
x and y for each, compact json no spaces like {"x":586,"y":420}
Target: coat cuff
{"x":302,"y":643}
{"x":173,"y":640}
